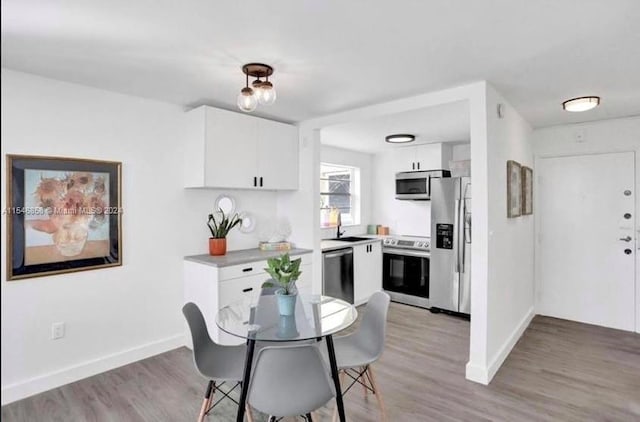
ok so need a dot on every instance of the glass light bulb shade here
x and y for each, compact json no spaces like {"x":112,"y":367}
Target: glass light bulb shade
{"x":258,"y":88}
{"x":247,"y":101}
{"x":577,"y":105}
{"x":268,"y":94}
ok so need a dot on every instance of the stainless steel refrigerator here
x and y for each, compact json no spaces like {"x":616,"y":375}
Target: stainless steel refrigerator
{"x":450,"y":266}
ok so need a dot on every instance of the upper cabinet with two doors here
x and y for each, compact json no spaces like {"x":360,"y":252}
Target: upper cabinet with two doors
{"x":434,"y":156}
{"x":224,"y":149}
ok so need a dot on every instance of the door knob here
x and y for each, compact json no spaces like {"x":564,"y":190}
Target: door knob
{"x":626,"y":239}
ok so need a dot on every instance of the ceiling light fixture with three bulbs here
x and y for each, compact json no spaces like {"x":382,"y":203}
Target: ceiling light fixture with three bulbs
{"x":260,"y":91}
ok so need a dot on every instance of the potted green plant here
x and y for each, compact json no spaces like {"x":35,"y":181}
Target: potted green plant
{"x":220,"y":225}
{"x":284,"y":273}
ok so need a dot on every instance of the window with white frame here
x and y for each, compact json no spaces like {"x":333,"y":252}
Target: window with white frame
{"x":339,"y":194}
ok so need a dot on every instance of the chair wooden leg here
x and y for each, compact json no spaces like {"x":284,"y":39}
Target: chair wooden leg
{"x":206,"y":402}
{"x":248,"y":413}
{"x":363,"y":378}
{"x":213,"y":392}
{"x":378,"y":393}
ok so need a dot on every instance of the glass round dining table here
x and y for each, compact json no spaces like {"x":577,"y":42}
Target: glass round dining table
{"x":258,"y":319}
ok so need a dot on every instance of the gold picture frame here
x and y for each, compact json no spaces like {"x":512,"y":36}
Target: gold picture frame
{"x":527,"y":190}
{"x":514,"y":189}
{"x":63,"y":215}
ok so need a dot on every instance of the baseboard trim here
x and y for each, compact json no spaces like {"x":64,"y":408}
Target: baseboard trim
{"x":36,"y":385}
{"x":508,"y":345}
{"x":477,"y":373}
{"x":484,"y":375}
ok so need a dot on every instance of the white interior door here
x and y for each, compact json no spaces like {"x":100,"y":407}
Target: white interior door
{"x":586,"y":247}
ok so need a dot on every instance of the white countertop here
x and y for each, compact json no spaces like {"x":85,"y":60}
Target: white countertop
{"x":331,"y":244}
{"x":242,"y":256}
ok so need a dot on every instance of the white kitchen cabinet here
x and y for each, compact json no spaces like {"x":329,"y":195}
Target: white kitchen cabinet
{"x":405,"y":158}
{"x":367,"y":271}
{"x":422,"y":157}
{"x":212,"y":288}
{"x":224,"y":149}
{"x":277,"y":155}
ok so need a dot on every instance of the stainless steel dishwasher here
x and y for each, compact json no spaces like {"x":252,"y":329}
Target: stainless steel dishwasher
{"x":337,"y":274}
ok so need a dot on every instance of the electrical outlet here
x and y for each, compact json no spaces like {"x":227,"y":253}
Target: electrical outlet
{"x":57,"y":330}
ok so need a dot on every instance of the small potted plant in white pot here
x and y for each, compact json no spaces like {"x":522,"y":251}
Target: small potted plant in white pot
{"x":220,"y":225}
{"x":284,"y":273}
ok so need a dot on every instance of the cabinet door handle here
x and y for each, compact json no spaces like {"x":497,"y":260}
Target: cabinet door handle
{"x":248,"y":289}
{"x":255,"y":181}
{"x":418,"y":165}
{"x":260,"y":181}
{"x":246,"y":270}
{"x":413,"y":166}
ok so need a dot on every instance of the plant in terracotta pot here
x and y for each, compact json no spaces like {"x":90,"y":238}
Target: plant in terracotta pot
{"x":284,"y":273}
{"x":220,"y":225}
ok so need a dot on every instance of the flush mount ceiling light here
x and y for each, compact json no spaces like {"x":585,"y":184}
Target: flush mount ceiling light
{"x":401,"y":138}
{"x":261,"y":91}
{"x":581,"y":104}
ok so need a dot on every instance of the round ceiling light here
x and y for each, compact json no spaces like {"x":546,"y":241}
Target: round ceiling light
{"x":579,"y":104}
{"x":401,"y":138}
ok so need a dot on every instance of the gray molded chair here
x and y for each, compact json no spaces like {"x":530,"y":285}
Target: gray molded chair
{"x":268,"y":291}
{"x":290,"y":381}
{"x":356,"y":352}
{"x":218,"y":364}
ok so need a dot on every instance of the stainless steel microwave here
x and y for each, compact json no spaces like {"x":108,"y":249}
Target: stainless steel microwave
{"x":416,"y":185}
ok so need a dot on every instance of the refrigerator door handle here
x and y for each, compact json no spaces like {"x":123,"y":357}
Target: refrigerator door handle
{"x":463,"y":232}
{"x":456,"y":235}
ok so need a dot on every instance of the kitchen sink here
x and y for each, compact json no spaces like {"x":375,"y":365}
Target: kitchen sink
{"x":350,"y":239}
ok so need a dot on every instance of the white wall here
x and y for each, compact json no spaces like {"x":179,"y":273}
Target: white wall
{"x":117,"y":315}
{"x":510,"y":266}
{"x":615,"y":135}
{"x":302,"y":206}
{"x":364,"y":162}
{"x":461,"y":152}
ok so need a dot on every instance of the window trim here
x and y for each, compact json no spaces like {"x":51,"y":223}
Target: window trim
{"x":354,"y":193}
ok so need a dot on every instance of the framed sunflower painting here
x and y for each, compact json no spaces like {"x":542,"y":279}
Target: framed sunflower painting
{"x":63,"y":215}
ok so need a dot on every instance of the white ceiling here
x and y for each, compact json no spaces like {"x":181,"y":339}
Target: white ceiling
{"x":334,"y":55}
{"x":443,"y":123}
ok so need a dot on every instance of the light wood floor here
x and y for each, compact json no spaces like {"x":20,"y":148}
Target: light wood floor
{"x":559,"y":371}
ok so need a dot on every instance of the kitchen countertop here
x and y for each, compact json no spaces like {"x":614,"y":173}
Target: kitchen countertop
{"x":331,"y":244}
{"x":242,"y":256}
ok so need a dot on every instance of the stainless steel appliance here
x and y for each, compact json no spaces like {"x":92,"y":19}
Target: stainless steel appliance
{"x":406,"y":269}
{"x":337,"y":274}
{"x":416,"y":185}
{"x":450,"y":271}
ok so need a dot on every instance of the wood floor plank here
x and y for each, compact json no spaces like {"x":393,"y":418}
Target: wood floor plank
{"x":558,"y":371}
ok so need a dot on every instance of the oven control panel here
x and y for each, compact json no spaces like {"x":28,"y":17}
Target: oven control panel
{"x":422,"y":244}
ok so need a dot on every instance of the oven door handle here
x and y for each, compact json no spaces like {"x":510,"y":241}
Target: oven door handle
{"x":406,"y":252}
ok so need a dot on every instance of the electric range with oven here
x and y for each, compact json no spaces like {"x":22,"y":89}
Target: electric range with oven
{"x":406,"y":269}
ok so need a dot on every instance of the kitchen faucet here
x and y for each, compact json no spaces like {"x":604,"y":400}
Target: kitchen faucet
{"x":338,"y":225}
